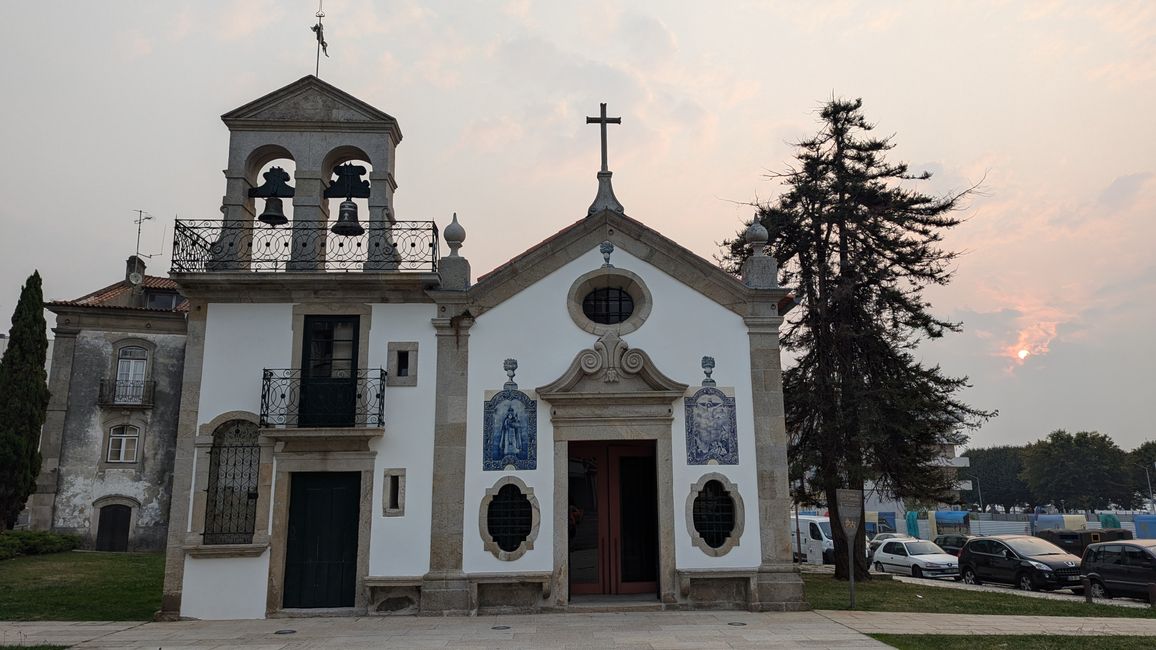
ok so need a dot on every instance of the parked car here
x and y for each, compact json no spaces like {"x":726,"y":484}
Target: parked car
{"x":878,"y":540}
{"x":1027,"y":562}
{"x":1121,"y":568}
{"x":1075,"y":541}
{"x":952,"y":543}
{"x":918,"y":558}
{"x":814,"y":533}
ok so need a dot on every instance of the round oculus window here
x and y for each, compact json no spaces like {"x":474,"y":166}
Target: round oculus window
{"x":608,"y":305}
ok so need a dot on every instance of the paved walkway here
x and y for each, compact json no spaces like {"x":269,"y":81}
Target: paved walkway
{"x":691,"y":630}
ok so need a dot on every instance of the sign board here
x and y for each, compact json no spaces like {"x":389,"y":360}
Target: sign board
{"x":850,"y":503}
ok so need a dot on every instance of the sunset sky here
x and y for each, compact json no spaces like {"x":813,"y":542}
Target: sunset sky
{"x":114,"y":106}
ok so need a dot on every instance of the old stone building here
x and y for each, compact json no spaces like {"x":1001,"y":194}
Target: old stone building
{"x":365,"y":428}
{"x":107,"y":443}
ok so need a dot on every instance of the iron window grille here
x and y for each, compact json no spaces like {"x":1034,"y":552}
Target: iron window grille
{"x":127,"y":393}
{"x":234,"y":465}
{"x":123,"y":442}
{"x":509,"y":518}
{"x":714,"y":514}
{"x":608,"y":305}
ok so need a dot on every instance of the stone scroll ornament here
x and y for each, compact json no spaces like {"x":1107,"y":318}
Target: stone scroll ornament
{"x":510,"y":428}
{"x":711,"y":429}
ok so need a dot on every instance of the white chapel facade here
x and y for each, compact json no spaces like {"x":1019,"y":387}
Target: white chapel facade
{"x":366,"y":428}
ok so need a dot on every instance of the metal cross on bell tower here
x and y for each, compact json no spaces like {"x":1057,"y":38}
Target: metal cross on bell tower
{"x":605,"y":199}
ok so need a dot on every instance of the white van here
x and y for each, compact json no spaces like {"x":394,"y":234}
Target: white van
{"x":814,"y":533}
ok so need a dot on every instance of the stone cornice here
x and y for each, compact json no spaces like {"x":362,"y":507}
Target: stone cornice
{"x":308,"y":286}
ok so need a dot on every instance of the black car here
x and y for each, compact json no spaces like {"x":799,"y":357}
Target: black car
{"x":952,"y":543}
{"x":1121,"y":568}
{"x":1027,"y":562}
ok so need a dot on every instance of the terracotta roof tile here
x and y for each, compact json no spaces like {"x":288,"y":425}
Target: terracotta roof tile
{"x":107,"y":297}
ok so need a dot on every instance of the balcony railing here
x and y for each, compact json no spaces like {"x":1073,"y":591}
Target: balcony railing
{"x":127,"y":393}
{"x":290,"y":399}
{"x":207,"y":246}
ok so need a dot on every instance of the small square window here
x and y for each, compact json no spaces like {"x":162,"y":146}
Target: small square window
{"x":402,"y":364}
{"x":393,"y":499}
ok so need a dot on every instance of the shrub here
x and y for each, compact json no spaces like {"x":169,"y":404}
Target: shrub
{"x":34,"y":542}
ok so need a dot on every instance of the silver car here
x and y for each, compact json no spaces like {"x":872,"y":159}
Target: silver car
{"x":917,"y":558}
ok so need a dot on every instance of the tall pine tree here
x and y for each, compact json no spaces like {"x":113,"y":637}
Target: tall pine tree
{"x":858,"y":247}
{"x":23,"y":401}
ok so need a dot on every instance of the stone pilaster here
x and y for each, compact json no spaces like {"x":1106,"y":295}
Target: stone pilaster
{"x":445,"y":589}
{"x":778,"y":584}
{"x":310,"y":217}
{"x":183,"y":462}
{"x":42,"y":502}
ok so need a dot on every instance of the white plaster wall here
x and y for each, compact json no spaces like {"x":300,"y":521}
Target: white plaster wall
{"x":225,"y":588}
{"x":241,"y":340}
{"x":535,"y":328}
{"x":399,"y":546}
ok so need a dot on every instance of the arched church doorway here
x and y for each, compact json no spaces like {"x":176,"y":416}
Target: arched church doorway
{"x":113,"y":527}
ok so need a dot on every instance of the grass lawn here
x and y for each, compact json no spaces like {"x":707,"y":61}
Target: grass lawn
{"x":1026,"y":642}
{"x":78,"y":586}
{"x":825,"y":592}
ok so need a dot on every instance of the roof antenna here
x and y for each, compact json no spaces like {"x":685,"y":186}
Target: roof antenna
{"x":141,"y":217}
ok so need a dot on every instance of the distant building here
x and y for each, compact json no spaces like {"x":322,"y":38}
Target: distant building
{"x":107,"y":444}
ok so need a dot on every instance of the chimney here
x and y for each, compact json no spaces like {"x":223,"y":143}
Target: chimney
{"x":133,"y":265}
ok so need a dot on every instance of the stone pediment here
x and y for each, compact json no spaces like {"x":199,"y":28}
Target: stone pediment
{"x":612,"y":369}
{"x":313,"y":102}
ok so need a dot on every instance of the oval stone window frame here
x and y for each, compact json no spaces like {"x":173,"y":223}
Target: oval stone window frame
{"x":615,"y":278}
{"x":740,"y":515}
{"x":483,"y":520}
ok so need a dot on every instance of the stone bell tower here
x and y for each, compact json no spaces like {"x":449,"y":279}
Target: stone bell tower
{"x":318,"y":127}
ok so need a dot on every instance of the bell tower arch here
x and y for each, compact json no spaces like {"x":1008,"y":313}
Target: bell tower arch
{"x":318,"y":127}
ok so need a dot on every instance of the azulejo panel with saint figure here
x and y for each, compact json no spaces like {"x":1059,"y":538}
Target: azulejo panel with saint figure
{"x":711,"y":429}
{"x":510,"y":432}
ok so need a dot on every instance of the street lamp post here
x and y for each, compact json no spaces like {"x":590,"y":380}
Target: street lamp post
{"x":1151,"y":497}
{"x":979,"y":489}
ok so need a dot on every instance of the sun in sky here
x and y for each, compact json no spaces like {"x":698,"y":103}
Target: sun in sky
{"x":1022,"y":354}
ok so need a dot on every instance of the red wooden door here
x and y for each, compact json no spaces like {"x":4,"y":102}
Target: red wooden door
{"x":613,"y":518}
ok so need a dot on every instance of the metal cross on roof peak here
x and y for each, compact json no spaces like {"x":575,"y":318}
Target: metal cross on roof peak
{"x":602,"y":120}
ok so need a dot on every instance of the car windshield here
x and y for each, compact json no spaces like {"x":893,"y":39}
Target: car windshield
{"x":923,"y":548}
{"x":1033,"y":547}
{"x":826,"y":526}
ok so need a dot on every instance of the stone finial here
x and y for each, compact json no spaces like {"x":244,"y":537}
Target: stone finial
{"x":757,"y":237}
{"x":454,"y":235}
{"x":760,"y":271}
{"x":606,"y":248}
{"x":510,"y":366}
{"x":708,"y":369}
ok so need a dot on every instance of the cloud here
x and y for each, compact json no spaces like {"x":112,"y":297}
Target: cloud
{"x":1124,"y":190}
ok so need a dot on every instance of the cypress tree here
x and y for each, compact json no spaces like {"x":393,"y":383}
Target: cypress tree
{"x":23,"y":401}
{"x":858,"y":246}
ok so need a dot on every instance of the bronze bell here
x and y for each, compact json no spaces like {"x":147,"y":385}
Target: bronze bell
{"x":347,"y":225}
{"x":274,"y":214}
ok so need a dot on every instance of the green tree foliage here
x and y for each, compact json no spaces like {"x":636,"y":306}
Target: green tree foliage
{"x":23,"y":401}
{"x":1144,"y":458}
{"x":1081,"y":471}
{"x":998,"y":471}
{"x":858,"y":246}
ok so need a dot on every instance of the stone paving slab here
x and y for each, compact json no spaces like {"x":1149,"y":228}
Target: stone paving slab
{"x":649,"y":630}
{"x":918,"y":623}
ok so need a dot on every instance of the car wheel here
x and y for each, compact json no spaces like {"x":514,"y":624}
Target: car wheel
{"x":1099,"y":590}
{"x":969,"y":576}
{"x":1024,"y":581}
{"x":916,"y":572}
{"x":879,"y":567}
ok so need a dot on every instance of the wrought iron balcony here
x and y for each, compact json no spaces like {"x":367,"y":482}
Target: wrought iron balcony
{"x":290,"y":398}
{"x":207,"y":246}
{"x":127,"y":394}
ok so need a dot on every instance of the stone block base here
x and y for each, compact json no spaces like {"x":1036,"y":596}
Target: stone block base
{"x":445,"y":596}
{"x":779,"y":591}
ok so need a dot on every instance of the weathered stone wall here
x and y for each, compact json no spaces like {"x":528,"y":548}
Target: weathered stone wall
{"x":84,"y":477}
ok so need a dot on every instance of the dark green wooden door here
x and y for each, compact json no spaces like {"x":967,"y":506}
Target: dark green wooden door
{"x":321,"y":547}
{"x":112,"y":528}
